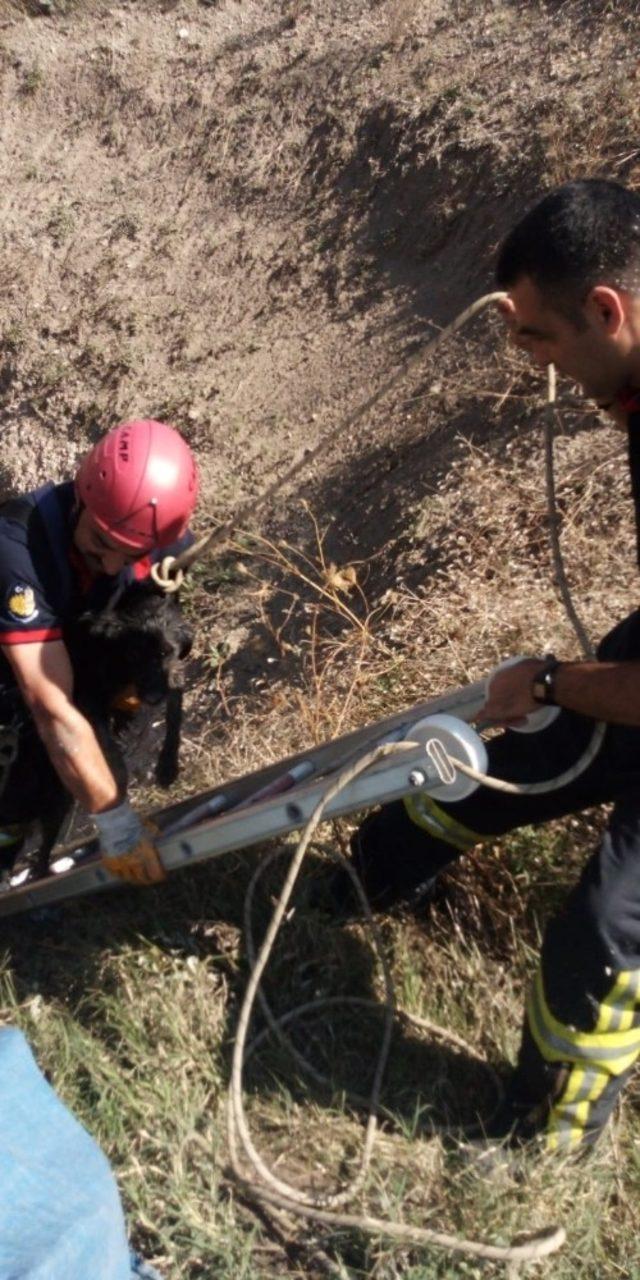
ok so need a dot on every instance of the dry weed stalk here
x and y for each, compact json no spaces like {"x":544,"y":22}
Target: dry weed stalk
{"x":339,"y":648}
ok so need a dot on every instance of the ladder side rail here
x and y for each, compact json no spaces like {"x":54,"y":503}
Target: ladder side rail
{"x":246,"y":825}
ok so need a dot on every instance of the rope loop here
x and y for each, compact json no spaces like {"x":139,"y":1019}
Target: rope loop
{"x":271,"y":1190}
{"x":165,"y":577}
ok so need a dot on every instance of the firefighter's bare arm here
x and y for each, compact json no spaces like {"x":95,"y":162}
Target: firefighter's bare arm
{"x":607,"y":691}
{"x":45,"y":678}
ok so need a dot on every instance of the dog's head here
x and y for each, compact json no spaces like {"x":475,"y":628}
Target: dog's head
{"x":141,"y":640}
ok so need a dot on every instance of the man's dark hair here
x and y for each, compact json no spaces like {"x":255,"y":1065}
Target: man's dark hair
{"x":582,"y":234}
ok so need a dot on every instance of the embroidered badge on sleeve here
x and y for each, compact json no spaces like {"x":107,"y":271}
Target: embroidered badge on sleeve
{"x":22,"y":603}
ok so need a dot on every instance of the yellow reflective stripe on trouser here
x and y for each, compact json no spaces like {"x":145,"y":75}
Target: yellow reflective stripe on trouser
{"x":598,"y":1056}
{"x":613,"y":1050}
{"x":569,"y":1116}
{"x":437,"y":822}
{"x":618,"y":1009}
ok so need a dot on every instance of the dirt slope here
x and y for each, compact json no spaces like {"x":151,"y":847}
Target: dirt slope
{"x":241,"y":217}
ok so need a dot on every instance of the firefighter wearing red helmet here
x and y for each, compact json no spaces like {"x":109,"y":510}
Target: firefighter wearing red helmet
{"x":65,"y":549}
{"x":139,"y":485}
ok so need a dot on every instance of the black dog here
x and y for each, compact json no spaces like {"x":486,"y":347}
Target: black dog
{"x":125,"y":660}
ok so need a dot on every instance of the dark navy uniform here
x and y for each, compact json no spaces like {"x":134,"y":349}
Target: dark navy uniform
{"x":44,"y":585}
{"x":582,"y":1026}
{"x":44,"y":582}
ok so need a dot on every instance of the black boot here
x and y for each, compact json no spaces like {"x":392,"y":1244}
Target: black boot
{"x":397,"y":863}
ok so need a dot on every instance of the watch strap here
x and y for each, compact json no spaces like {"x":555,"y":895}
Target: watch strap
{"x":543,"y":685}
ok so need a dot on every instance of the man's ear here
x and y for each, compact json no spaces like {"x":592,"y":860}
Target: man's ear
{"x":607,"y":307}
{"x":506,"y":308}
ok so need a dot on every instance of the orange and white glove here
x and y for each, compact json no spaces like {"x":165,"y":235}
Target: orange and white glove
{"x":127,"y":845}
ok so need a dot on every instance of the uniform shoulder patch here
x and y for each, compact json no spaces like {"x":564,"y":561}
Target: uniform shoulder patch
{"x":21,"y":603}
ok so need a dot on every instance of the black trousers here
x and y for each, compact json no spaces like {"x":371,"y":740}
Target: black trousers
{"x":582,"y":1026}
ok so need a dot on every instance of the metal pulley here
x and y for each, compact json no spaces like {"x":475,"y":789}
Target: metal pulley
{"x":447,"y":739}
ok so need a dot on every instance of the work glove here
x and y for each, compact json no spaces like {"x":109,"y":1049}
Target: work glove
{"x":127,"y":845}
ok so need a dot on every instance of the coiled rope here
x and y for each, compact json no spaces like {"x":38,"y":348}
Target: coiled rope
{"x":273,"y":1191}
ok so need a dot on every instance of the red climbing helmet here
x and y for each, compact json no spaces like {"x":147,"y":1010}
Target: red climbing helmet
{"x":140,"y":484}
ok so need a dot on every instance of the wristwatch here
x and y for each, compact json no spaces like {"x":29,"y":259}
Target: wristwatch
{"x":543,"y":686}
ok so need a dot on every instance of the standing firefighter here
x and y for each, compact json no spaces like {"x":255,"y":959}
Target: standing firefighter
{"x":572,"y":271}
{"x":68,"y":548}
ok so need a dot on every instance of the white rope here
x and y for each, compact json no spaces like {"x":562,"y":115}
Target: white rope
{"x":552,"y":511}
{"x":536,"y":788}
{"x":166,"y":577}
{"x":236,"y":1114}
{"x":274,"y":1191}
{"x":276,"y":1025}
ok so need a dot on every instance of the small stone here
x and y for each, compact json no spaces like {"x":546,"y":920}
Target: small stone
{"x":183,"y":33}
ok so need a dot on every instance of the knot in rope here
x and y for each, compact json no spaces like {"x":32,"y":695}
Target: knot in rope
{"x":166,"y":577}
